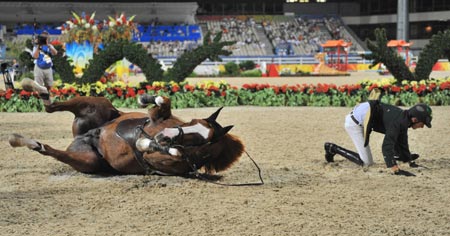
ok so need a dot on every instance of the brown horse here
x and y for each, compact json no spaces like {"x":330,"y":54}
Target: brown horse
{"x":107,"y":140}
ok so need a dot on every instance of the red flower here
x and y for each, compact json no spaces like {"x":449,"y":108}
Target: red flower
{"x":322,"y":88}
{"x":175,"y":88}
{"x":342,"y":88}
{"x":130,"y":93}
{"x":141,"y":91}
{"x":293,"y":88}
{"x":301,"y":88}
{"x":445,"y":85}
{"x":406,"y":87}
{"x":119,"y":92}
{"x":284,"y":88}
{"x":352,"y":87}
{"x":214,"y":88}
{"x":246,"y":86}
{"x":260,"y":86}
{"x":24,"y":93}
{"x":103,"y":80}
{"x":8,"y":94}
{"x":422,"y":88}
{"x":73,"y":90}
{"x":395,"y":89}
{"x":373,"y":86}
{"x":55,"y":91}
{"x":431,"y":87}
{"x":223,"y":94}
{"x":189,"y":87}
{"x":276,"y":89}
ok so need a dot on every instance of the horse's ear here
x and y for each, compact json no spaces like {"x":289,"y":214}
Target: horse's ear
{"x":213,"y":117}
{"x":226,"y":129}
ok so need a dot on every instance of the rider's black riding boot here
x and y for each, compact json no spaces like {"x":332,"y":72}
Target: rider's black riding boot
{"x":332,"y":149}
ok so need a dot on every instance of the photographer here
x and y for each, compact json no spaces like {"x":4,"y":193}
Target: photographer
{"x":43,"y":73}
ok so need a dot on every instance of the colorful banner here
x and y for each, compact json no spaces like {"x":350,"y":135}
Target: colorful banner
{"x":79,"y":54}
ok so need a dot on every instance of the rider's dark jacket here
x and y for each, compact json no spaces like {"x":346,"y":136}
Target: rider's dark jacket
{"x":393,"y":122}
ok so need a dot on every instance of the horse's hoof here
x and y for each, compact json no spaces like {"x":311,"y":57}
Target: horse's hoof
{"x":31,"y":85}
{"x":27,"y":84}
{"x":146,"y":99}
{"x":16,"y":140}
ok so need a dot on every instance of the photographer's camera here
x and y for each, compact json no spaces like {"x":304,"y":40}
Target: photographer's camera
{"x":42,"y":40}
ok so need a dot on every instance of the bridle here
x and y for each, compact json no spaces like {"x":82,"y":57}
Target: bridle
{"x":175,"y":143}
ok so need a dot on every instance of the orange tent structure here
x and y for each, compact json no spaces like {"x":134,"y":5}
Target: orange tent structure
{"x":402,"y":48}
{"x":337,"y":53}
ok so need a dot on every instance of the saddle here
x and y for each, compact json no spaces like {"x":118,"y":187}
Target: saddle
{"x":130,"y":130}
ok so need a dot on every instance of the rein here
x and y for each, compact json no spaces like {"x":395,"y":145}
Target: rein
{"x":200,"y":176}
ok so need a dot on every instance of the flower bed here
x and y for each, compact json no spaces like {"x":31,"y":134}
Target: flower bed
{"x":208,"y":93}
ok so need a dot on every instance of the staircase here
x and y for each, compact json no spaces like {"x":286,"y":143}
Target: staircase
{"x":263,"y":39}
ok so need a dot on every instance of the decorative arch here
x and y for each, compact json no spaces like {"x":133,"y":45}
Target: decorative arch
{"x":117,"y":50}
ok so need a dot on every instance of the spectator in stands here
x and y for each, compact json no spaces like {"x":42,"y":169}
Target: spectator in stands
{"x":43,"y":72}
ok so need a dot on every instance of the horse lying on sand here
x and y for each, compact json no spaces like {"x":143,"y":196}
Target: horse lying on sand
{"x":109,"y":141}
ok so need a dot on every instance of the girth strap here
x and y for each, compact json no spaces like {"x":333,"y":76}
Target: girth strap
{"x":128,"y":130}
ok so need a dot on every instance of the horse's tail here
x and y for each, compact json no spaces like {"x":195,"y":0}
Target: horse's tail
{"x":231,"y":148}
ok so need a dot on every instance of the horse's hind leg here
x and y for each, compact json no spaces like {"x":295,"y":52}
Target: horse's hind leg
{"x":87,"y":107}
{"x":90,"y":112}
{"x":86,"y":160}
{"x":17,"y":140}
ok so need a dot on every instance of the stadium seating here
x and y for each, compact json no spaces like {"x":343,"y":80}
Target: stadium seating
{"x":253,"y":35}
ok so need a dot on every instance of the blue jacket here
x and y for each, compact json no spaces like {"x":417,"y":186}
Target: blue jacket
{"x":44,"y":61}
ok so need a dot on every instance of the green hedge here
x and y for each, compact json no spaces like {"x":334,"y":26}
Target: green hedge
{"x":184,"y":95}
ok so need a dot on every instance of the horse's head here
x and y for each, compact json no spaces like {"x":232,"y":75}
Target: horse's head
{"x":194,"y":133}
{"x":201,"y":142}
{"x":204,"y":143}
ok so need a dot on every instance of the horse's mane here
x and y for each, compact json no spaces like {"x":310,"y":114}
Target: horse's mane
{"x":226,"y":151}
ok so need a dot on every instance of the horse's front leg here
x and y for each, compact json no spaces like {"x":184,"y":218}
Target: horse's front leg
{"x":161,"y":111}
{"x":79,"y":156}
{"x":168,"y":164}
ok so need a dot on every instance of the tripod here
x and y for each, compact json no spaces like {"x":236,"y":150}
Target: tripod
{"x":7,"y":78}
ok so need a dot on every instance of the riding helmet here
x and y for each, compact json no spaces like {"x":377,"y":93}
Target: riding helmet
{"x":422,"y":112}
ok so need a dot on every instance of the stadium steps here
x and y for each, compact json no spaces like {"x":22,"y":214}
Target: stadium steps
{"x":268,"y":49}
